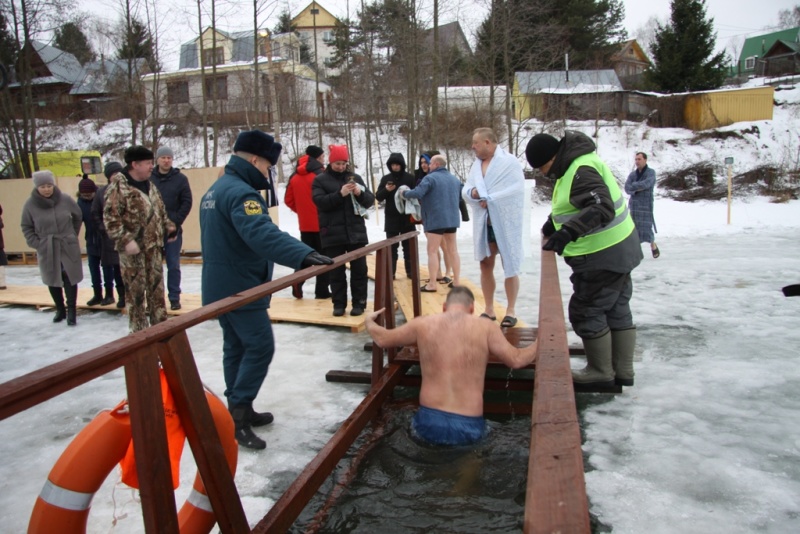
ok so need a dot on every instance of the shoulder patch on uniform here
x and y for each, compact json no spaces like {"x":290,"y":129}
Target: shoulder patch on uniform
{"x":252,"y":207}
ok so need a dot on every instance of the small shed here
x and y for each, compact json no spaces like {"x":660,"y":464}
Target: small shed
{"x":712,"y":109}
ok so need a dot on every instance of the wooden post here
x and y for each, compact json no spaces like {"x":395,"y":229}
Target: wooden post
{"x":151,"y":452}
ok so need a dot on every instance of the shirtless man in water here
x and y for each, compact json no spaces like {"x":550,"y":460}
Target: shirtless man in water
{"x":454,"y":349}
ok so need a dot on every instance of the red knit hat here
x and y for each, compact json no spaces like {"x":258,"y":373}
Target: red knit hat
{"x":338,"y":153}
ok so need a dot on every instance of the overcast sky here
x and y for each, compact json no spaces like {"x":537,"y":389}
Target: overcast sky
{"x":732,"y":18}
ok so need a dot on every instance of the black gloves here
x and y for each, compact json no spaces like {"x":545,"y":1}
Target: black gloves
{"x":315,"y":258}
{"x":548,"y":228}
{"x":559,"y":240}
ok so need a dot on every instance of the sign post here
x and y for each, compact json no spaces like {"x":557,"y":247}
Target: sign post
{"x":729,"y":164}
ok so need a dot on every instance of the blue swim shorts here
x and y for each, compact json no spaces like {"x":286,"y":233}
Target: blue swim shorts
{"x":444,"y":428}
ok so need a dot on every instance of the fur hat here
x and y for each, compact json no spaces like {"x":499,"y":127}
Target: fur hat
{"x":43,"y":177}
{"x":164,"y":151}
{"x":137,"y":153}
{"x":338,"y":153}
{"x":313,"y":151}
{"x":275,"y":153}
{"x":255,"y":142}
{"x":541,"y":149}
{"x":112,"y":168}
{"x":87,"y":186}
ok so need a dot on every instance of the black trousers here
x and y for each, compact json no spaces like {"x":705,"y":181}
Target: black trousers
{"x":358,"y":278}
{"x":321,"y":289}
{"x":600,"y":301}
{"x":406,"y":252}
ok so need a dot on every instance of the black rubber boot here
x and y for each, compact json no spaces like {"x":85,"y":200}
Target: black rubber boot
{"x":109,"y":298}
{"x":121,"y":301}
{"x":97,"y":298}
{"x":260,"y":419}
{"x":72,"y":295}
{"x":58,"y":299}
{"x":244,"y":434}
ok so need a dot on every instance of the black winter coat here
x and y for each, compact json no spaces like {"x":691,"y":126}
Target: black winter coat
{"x":175,"y":192}
{"x":395,"y":221}
{"x":108,"y":251}
{"x":338,"y":222}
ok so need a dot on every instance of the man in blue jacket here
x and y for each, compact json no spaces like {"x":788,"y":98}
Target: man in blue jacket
{"x":177,"y":196}
{"x":239,"y":245}
{"x":438,"y":194}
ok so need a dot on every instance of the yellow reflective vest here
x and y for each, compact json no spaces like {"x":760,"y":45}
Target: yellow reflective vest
{"x":602,"y":237}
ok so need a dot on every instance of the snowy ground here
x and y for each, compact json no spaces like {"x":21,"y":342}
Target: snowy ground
{"x":705,"y":441}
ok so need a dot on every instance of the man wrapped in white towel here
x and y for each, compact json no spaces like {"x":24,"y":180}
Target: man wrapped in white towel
{"x":495,"y":189}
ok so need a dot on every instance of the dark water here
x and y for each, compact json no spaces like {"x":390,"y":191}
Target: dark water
{"x":400,"y":485}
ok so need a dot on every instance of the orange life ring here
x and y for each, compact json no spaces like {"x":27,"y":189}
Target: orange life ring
{"x":64,"y":502}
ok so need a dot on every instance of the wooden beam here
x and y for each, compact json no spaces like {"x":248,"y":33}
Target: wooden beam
{"x":291,"y":503}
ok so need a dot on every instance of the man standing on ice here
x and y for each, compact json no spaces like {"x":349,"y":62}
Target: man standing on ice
{"x":240,"y":244}
{"x":590,"y":226}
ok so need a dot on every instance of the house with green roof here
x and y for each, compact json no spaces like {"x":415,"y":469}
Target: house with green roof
{"x":752,"y":58}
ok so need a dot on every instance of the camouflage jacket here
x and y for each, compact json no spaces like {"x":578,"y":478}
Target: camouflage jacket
{"x":130,"y":215}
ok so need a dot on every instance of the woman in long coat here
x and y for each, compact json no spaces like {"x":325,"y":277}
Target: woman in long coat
{"x":51,"y":221}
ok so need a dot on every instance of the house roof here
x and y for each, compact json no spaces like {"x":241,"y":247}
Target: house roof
{"x":95,"y":77}
{"x":584,"y":81}
{"x":758,"y":45}
{"x":63,"y":66}
{"x":781,"y":47}
{"x":630,"y":50}
{"x":450,"y":35}
{"x":241,"y":44}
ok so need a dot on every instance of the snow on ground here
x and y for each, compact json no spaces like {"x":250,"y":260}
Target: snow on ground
{"x":706,"y":441}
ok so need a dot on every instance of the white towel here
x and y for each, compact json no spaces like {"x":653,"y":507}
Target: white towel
{"x":359,"y":210}
{"x":503,"y":189}
{"x":409,"y":206}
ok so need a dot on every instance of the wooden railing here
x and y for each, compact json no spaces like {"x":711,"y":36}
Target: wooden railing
{"x":556,"y":499}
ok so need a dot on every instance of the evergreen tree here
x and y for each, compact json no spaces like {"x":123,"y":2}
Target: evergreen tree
{"x":520,"y":35}
{"x":70,"y":38}
{"x":136,"y":43}
{"x":682,"y":51}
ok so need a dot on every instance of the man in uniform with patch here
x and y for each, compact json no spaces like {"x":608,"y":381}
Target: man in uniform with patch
{"x":136,"y":220}
{"x":240,"y":244}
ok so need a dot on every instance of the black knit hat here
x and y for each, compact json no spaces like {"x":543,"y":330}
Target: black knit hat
{"x":255,"y":142}
{"x":137,"y":153}
{"x":112,"y":168}
{"x":313,"y":151}
{"x":541,"y":149}
{"x":86,"y":186}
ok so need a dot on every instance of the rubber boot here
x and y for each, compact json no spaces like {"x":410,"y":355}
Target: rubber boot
{"x":598,"y":370}
{"x":623,"y":343}
{"x":72,"y":296}
{"x":97,"y":298}
{"x":2,"y":276}
{"x":260,"y":419}
{"x":109,"y":298}
{"x":244,"y":434}
{"x":121,"y":301}
{"x":58,"y":299}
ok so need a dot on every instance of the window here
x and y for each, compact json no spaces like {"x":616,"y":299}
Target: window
{"x":221,"y":83}
{"x":276,"y":49}
{"x":214,"y":57}
{"x":178,"y":93}
{"x":327,"y":36}
{"x":750,"y":63}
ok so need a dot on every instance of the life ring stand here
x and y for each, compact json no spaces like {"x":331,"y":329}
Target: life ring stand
{"x":64,"y":502}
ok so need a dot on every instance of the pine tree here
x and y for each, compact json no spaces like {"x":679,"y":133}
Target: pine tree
{"x":70,"y":38}
{"x":285,"y":25}
{"x":682,"y":51}
{"x":136,"y":44}
{"x":8,"y":45}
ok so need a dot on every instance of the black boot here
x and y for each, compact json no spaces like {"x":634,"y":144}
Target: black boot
{"x":121,"y":301}
{"x":244,"y":433}
{"x":72,"y":295}
{"x":260,"y":419}
{"x":97,"y":298}
{"x":58,"y":299}
{"x":109,"y":299}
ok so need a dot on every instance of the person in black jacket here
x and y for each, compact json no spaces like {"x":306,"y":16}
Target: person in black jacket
{"x":109,"y":257}
{"x":86,"y":192}
{"x":342,"y":200}
{"x":177,"y":196}
{"x":396,"y":223}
